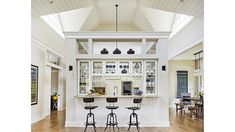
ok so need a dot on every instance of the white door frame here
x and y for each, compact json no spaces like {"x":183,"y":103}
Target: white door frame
{"x":47,"y":98}
{"x":48,"y":88}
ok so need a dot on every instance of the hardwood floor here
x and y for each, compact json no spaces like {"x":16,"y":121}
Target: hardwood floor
{"x":178,"y":123}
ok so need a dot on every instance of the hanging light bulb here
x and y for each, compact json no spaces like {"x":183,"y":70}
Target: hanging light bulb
{"x":116,"y":51}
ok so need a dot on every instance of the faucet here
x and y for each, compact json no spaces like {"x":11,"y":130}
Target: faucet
{"x":114,"y":90}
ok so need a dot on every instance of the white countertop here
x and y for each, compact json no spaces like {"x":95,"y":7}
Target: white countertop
{"x":119,"y":96}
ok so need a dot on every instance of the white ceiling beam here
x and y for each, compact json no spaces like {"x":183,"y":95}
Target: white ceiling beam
{"x":117,"y":35}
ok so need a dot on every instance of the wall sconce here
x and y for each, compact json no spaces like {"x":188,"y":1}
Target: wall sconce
{"x":70,"y":68}
{"x":164,"y":68}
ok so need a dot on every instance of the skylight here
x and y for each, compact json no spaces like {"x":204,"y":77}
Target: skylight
{"x":54,"y":22}
{"x":179,"y":22}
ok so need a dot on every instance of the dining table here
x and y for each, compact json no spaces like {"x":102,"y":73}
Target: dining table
{"x":197,"y":102}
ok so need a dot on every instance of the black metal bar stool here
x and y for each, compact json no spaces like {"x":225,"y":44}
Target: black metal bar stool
{"x":133,"y":114}
{"x":111,"y":117}
{"x":89,"y":107}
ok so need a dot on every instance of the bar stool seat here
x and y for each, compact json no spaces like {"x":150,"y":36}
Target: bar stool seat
{"x":133,"y":108}
{"x":90,"y":107}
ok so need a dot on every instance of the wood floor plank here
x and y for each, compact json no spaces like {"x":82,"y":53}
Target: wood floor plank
{"x":178,"y":123}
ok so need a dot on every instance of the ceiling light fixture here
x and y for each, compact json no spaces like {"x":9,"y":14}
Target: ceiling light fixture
{"x":116,"y":51}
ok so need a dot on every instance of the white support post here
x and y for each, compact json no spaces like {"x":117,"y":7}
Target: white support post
{"x":90,"y":46}
{"x":71,"y":80}
{"x":143,"y":45}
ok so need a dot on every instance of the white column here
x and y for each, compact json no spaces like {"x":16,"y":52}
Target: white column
{"x":71,"y":83}
{"x":90,"y":46}
{"x":162,"y":54}
{"x":143,"y":46}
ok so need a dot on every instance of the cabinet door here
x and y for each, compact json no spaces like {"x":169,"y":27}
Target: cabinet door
{"x":151,"y":76}
{"x":97,"y":67}
{"x":84,"y":76}
{"x":123,"y":67}
{"x":111,"y":67}
{"x":137,"y":67}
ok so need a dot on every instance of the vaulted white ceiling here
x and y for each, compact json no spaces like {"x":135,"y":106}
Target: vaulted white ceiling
{"x":189,"y":54}
{"x":133,"y":15}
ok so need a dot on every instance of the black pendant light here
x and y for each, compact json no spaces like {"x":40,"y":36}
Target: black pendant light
{"x":104,"y":51}
{"x":116,"y":51}
{"x":130,"y":51}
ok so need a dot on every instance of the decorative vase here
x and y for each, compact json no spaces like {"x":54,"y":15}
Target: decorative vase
{"x":104,"y":51}
{"x":116,"y":51}
{"x":130,"y":51}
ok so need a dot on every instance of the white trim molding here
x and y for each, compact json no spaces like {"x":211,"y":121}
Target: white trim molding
{"x":45,"y":46}
{"x":121,"y":56}
{"x":117,"y":35}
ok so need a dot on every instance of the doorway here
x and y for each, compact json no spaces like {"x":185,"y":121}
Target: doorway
{"x":182,"y":83}
{"x":53,"y":90}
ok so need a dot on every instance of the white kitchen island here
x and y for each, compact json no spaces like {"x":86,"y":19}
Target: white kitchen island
{"x":148,"y":114}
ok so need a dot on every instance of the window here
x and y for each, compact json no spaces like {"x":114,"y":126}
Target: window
{"x":182,"y":83}
{"x":179,"y":23}
{"x":53,"y":21}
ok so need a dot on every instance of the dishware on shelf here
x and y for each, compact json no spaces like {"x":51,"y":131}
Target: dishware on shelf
{"x":136,"y":65}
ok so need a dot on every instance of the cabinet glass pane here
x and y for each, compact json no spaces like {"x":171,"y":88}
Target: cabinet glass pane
{"x":84,"y":77}
{"x":150,"y":77}
{"x":97,"y":67}
{"x":136,"y":67}
{"x":123,"y":67}
{"x":111,"y":68}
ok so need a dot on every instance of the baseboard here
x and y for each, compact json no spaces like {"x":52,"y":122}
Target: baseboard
{"x":121,"y":124}
{"x":37,"y":119}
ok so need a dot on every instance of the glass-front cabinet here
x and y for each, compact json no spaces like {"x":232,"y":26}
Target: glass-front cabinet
{"x":97,"y":67}
{"x":123,"y":67}
{"x":137,"y":67}
{"x":84,"y":76}
{"x":111,"y":67}
{"x":93,"y":74}
{"x":151,"y":77}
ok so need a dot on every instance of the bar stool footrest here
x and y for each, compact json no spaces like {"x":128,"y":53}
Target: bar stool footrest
{"x":89,"y":123}
{"x":133,"y":123}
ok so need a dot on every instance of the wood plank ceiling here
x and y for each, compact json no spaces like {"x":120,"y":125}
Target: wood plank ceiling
{"x":131,"y":12}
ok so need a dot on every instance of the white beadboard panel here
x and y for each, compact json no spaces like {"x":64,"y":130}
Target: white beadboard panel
{"x":107,"y":11}
{"x":91,"y":22}
{"x":160,"y":20}
{"x":175,"y":6}
{"x":141,"y":21}
{"x":45,"y":7}
{"x":120,"y":27}
{"x":145,"y":15}
{"x":73,"y":20}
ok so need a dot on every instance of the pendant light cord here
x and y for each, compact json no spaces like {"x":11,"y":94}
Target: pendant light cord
{"x":116,"y":20}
